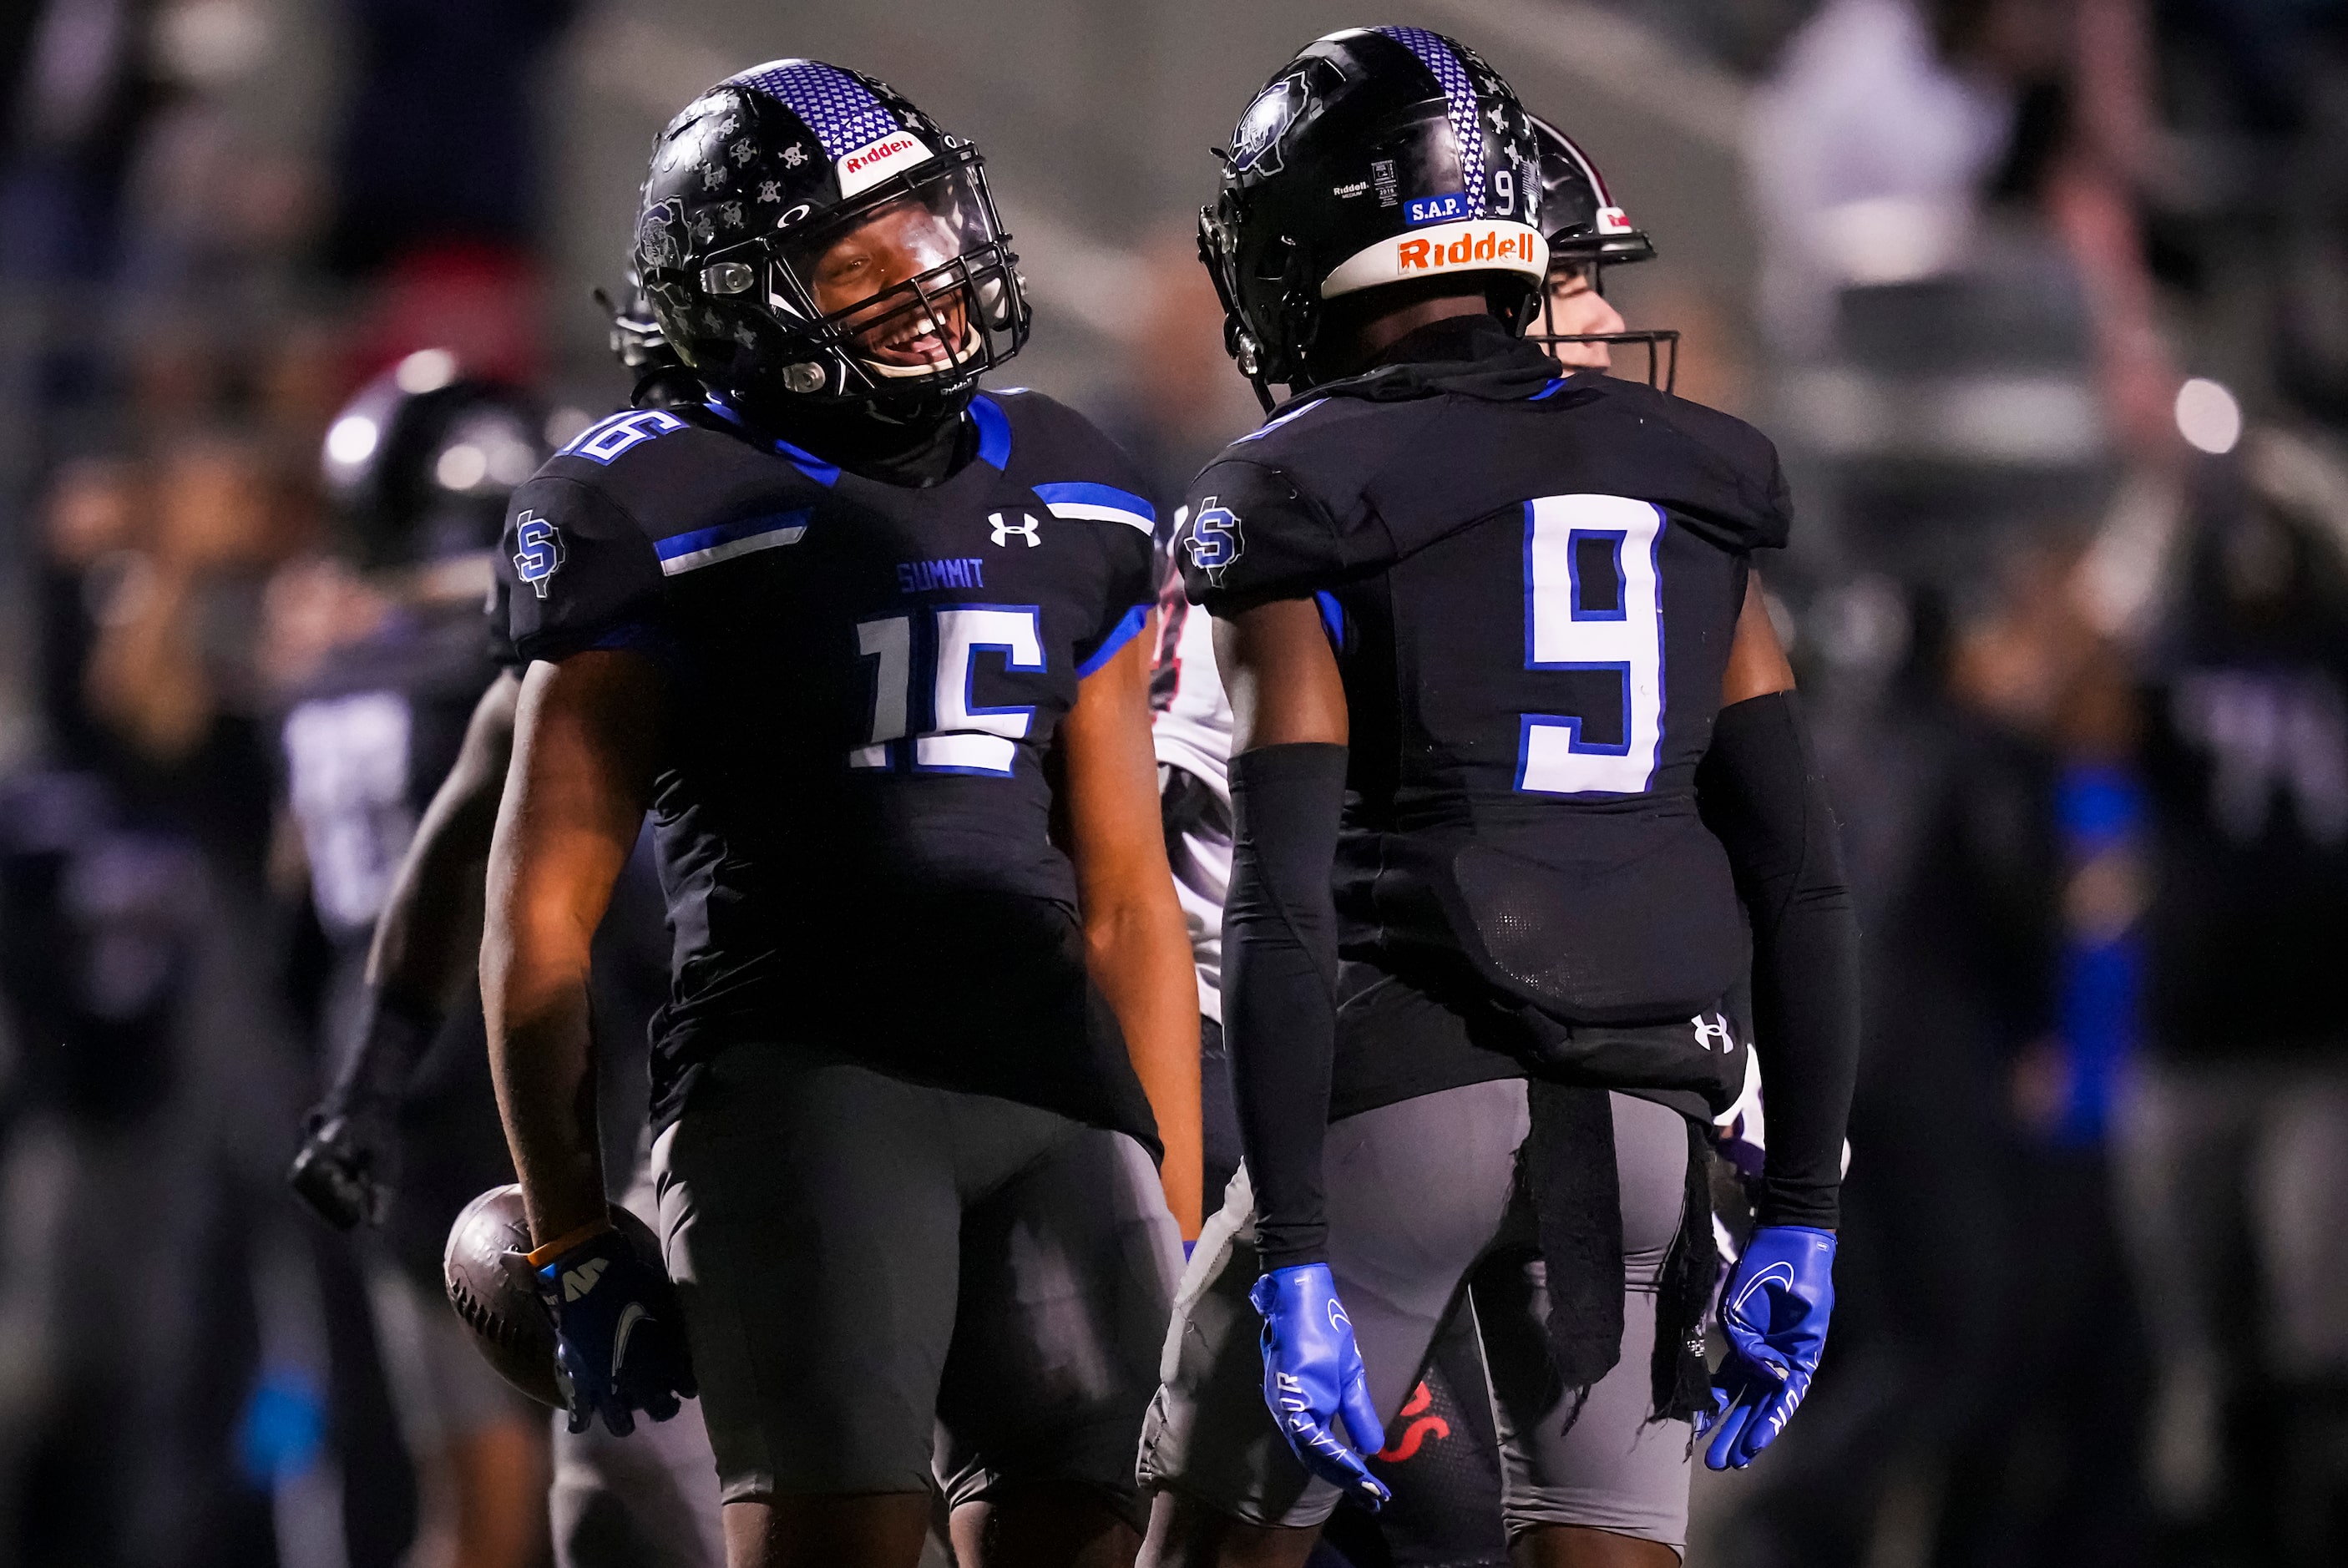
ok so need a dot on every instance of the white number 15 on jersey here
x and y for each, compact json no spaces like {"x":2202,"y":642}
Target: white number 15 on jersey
{"x":961,"y":737}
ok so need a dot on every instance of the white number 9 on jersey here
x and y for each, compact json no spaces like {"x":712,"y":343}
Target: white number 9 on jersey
{"x":1593,"y":601}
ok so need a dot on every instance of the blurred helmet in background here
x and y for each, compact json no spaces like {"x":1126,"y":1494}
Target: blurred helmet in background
{"x":419,"y":463}
{"x":664,"y":381}
{"x":1583,"y":223}
{"x":1587,"y":233}
{"x":1376,"y":157}
{"x":809,"y":238}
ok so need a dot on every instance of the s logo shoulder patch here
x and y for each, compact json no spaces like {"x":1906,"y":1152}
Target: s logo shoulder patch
{"x":539,"y":552}
{"x":1214,"y":542}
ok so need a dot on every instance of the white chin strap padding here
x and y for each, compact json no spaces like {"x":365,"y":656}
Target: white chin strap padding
{"x":1470,"y":245}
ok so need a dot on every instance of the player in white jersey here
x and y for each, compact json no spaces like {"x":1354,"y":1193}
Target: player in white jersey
{"x":1190,"y":727}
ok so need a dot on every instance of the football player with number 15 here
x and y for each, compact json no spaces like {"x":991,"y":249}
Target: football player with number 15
{"x":863,"y":639}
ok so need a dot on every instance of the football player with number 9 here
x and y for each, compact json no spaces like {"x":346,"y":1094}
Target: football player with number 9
{"x":1513,"y":738}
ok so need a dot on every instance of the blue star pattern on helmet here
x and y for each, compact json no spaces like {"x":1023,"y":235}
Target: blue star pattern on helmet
{"x":840,"y":109}
{"x":1459,"y":93}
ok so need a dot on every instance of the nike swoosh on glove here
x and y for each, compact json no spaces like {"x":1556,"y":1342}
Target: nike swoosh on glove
{"x":619,"y":1343}
{"x":1312,"y":1376}
{"x":1774,"y":1312}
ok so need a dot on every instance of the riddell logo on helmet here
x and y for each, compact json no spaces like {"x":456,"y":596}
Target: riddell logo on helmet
{"x":1474,"y":248}
{"x":875,"y":161}
{"x":887,"y":148}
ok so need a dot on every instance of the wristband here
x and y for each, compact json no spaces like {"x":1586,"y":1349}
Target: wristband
{"x":539,"y":1257}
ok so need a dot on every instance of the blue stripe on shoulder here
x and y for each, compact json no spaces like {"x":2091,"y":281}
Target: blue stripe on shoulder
{"x":1124,"y":632}
{"x":807,"y":462}
{"x":1333,"y":618}
{"x":1271,"y":425}
{"x":678,"y":544}
{"x":993,"y":432}
{"x":1083,"y":493}
{"x":1552,"y":390}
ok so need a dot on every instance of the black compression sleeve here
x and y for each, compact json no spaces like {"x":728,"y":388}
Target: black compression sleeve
{"x":1761,"y":794}
{"x":1279,"y":983}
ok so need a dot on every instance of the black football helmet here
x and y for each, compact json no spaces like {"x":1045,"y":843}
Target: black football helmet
{"x":1587,"y":233}
{"x":419,"y":462}
{"x":779,"y":199}
{"x":1376,"y":156}
{"x":662,"y":380}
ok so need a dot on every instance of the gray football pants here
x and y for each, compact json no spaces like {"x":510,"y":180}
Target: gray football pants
{"x":645,"y":1500}
{"x":887,"y":1284}
{"x":1426,"y":1205}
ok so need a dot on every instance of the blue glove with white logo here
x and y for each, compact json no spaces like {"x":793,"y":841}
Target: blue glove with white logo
{"x":619,"y":1339}
{"x":1313,"y":1375}
{"x":1775,"y":1312}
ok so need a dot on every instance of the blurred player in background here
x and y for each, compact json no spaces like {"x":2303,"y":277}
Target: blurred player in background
{"x":866,"y":642}
{"x":1445,"y":1484}
{"x":419,"y":465}
{"x":1452,"y":700}
{"x":649,"y":1502}
{"x":2234,"y":1146}
{"x":1586,"y":234}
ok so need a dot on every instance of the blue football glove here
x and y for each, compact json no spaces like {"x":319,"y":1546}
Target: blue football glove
{"x":619,"y":1343}
{"x":1775,"y":1312}
{"x":1313,"y":1375}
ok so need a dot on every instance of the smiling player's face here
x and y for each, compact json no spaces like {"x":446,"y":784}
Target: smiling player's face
{"x":1572,"y":306}
{"x":897,"y":241}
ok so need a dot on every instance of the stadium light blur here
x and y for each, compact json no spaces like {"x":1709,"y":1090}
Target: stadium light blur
{"x":351,"y":440}
{"x":426,"y":370}
{"x":2208,"y":416}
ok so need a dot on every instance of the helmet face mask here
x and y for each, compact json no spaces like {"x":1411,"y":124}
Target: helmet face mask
{"x":808,"y":238}
{"x":1662,"y":345}
{"x":913,"y":285}
{"x":1586,"y":234}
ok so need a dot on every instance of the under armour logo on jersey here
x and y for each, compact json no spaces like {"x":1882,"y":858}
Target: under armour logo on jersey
{"x":541,"y":552}
{"x":1715,"y":1030}
{"x":1005,"y":531}
{"x":1214,"y":541}
{"x":578,"y":1282}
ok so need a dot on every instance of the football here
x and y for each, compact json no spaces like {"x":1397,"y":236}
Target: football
{"x":487,"y":1269}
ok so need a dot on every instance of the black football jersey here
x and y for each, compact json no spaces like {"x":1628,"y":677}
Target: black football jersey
{"x":1532,"y":583}
{"x":854,"y":807}
{"x":365,"y":743}
{"x":2245,"y":769}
